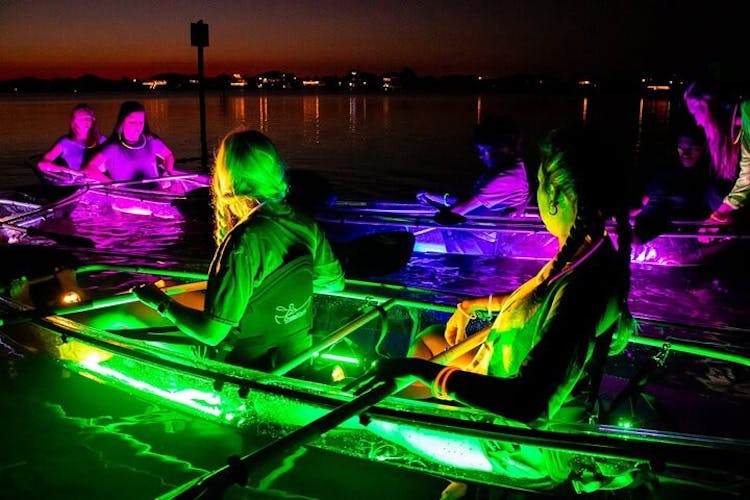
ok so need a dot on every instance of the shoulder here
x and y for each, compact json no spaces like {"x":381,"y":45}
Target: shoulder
{"x":156,"y":142}
{"x":111,"y":145}
{"x":595,"y":274}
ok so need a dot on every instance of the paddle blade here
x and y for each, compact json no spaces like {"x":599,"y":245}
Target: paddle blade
{"x":375,"y":254}
{"x":447,"y":218}
{"x":69,"y":240}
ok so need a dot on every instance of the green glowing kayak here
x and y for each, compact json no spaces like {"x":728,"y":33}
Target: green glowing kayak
{"x":114,"y":339}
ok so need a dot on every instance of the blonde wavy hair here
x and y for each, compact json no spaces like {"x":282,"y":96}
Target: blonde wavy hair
{"x":247,"y":173}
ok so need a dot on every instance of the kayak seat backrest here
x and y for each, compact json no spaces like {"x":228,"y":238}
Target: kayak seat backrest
{"x":278,"y":318}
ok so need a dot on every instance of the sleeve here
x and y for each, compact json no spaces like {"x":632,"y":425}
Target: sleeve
{"x":740,"y":193}
{"x":232,"y":277}
{"x":160,"y":148}
{"x":328,"y":274}
{"x":509,"y":187}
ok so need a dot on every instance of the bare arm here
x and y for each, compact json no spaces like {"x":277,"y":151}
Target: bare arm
{"x":455,"y":328}
{"x":192,"y":322}
{"x":168,"y":160}
{"x":96,"y":168}
{"x":195,"y":323}
{"x":47,"y":163}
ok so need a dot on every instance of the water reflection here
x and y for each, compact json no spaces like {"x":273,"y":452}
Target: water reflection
{"x":311,"y":118}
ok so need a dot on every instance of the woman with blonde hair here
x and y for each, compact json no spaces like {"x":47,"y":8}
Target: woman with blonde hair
{"x":270,"y":258}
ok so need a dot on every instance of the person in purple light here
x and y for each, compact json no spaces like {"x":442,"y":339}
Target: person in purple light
{"x":683,"y":188}
{"x":132,"y":151}
{"x":723,"y":119}
{"x":69,"y":153}
{"x":503,"y":185}
{"x":258,"y":304}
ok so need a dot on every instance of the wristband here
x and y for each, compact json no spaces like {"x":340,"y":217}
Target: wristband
{"x":439,"y":385}
{"x":470,"y":316}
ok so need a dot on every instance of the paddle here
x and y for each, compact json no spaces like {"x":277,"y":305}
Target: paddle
{"x":68,"y":240}
{"x":444,"y":215}
{"x":107,"y":184}
{"x":371,"y":389}
{"x":213,"y":484}
{"x":375,"y":254}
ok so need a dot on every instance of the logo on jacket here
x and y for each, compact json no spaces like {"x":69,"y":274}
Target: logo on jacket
{"x":287,"y":314}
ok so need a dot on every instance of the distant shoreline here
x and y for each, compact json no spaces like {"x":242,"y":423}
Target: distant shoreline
{"x":354,"y":82}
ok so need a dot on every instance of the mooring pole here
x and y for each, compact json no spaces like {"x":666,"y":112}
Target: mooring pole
{"x":199,"y":38}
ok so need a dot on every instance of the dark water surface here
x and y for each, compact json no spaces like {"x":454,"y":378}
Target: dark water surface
{"x":368,"y":145}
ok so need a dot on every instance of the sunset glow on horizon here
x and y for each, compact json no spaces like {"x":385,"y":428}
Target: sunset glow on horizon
{"x":138,"y":39}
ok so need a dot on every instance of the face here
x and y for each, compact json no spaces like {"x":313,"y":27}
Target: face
{"x":132,"y":125}
{"x":81,"y":123}
{"x":689,"y":152}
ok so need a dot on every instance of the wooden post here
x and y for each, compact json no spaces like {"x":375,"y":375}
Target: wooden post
{"x":199,"y":38}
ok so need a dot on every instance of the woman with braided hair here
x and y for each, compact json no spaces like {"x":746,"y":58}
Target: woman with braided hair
{"x":542,"y":356}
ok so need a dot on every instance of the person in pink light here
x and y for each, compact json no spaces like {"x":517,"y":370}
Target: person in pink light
{"x":503,"y":185}
{"x":721,"y":117}
{"x":132,"y":151}
{"x":66,"y":157}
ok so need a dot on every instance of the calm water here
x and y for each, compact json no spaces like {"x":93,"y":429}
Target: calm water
{"x":67,"y":437}
{"x":384,"y":146}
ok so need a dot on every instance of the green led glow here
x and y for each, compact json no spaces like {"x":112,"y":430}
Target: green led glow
{"x":339,"y":358}
{"x":190,"y":397}
{"x":623,"y":422}
{"x":466,"y":453}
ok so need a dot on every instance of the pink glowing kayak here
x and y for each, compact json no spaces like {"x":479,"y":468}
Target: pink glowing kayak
{"x":519,"y":235}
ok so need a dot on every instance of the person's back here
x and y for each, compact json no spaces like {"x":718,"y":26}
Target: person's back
{"x":271,"y":262}
{"x":270,"y":258}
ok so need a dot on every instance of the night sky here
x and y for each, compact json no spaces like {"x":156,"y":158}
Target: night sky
{"x":493,"y":38}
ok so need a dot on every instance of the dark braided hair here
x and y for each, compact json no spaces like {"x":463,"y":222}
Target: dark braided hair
{"x":574,"y":160}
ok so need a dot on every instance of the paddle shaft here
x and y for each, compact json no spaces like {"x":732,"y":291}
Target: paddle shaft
{"x":144,"y":181}
{"x":211,"y":485}
{"x":237,"y":471}
{"x":69,"y":240}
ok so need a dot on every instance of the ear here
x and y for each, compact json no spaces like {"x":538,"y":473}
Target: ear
{"x":554,"y":193}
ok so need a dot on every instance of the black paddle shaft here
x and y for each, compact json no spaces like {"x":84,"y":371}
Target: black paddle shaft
{"x":237,"y":472}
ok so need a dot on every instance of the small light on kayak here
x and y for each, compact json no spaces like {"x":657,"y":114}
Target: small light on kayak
{"x":70,"y":298}
{"x":337,"y":374}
